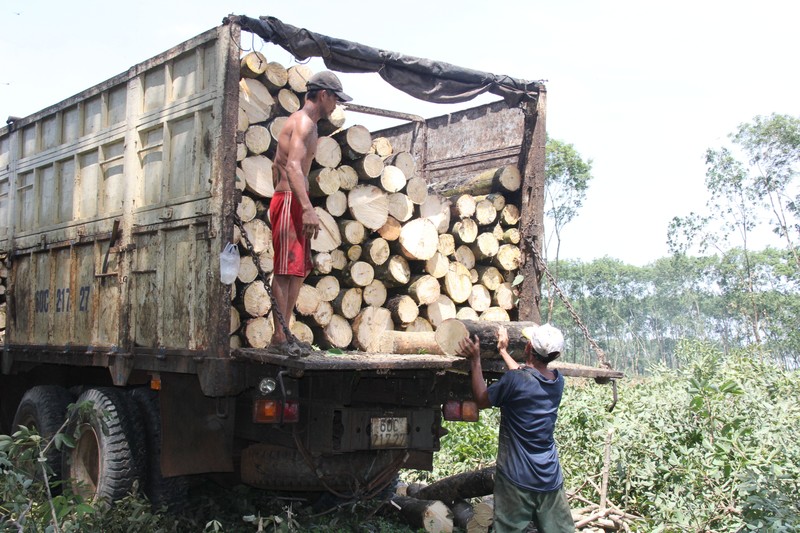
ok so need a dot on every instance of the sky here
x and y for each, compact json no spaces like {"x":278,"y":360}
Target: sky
{"x":642,"y":89}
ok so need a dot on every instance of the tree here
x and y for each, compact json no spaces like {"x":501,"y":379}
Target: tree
{"x":741,"y":194}
{"x":567,"y":178}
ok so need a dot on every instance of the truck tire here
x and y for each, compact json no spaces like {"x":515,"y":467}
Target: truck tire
{"x":109,"y":454}
{"x":44,"y":408}
{"x":170,"y":492}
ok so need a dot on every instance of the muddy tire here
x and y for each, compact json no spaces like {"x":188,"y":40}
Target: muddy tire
{"x":109,"y":454}
{"x":44,"y":408}
{"x":170,"y":492}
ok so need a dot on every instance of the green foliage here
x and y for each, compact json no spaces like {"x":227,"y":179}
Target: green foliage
{"x":713,"y":446}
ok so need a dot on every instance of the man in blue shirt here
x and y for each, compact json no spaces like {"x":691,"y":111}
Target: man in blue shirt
{"x":528,"y":485}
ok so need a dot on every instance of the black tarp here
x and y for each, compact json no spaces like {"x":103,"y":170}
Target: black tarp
{"x":432,"y":81}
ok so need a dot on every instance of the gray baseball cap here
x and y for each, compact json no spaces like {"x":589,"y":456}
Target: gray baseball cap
{"x":328,"y":80}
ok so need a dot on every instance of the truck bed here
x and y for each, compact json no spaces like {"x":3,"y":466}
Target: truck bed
{"x":353,"y":360}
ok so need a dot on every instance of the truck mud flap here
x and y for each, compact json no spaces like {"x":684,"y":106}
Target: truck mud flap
{"x":276,"y":468}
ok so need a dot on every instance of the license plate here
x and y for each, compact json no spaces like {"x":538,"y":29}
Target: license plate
{"x":390,"y":432}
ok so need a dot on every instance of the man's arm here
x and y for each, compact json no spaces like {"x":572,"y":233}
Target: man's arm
{"x":502,"y":347}
{"x":470,"y":349}
{"x":299,"y":147}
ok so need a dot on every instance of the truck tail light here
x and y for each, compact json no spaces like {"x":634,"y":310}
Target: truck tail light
{"x":275,"y":412}
{"x":463,"y":411}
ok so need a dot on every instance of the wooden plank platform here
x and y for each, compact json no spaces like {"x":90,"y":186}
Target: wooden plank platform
{"x":351,"y":360}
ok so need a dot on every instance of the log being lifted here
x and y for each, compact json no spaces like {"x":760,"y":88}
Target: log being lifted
{"x":450,"y":333}
{"x":432,"y":516}
{"x":410,"y":342}
{"x":503,"y":179}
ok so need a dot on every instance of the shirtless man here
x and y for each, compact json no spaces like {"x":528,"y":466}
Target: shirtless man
{"x":294,"y":221}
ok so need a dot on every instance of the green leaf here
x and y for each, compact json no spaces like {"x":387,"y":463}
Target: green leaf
{"x":335,"y":351}
{"x":517,"y":280}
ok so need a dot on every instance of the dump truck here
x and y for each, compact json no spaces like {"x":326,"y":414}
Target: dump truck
{"x":115,"y":205}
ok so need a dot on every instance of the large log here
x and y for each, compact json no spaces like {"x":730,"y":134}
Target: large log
{"x":355,"y":141}
{"x":417,"y":190}
{"x":308,"y":300}
{"x":327,"y":286}
{"x":437,"y":266}
{"x":252,"y":65}
{"x":357,"y":274}
{"x":403,"y":308}
{"x":246,"y":209}
{"x":352,"y":231}
{"x":255,"y":100}
{"x":489,"y":277}
{"x":275,"y":77}
{"x":369,"y":326}
{"x":369,"y":205}
{"x":348,"y":302}
{"x":391,"y":229}
{"x":501,"y":179}
{"x":465,"y":231}
{"x":298,"y":77}
{"x":328,"y":238}
{"x":322,"y":182}
{"x":376,"y":251}
{"x":421,"y":324}
{"x":324,"y":314}
{"x":255,"y":299}
{"x":336,"y":202}
{"x":505,"y":296}
{"x":480,"y":299}
{"x":257,"y":138}
{"x":247,"y":270}
{"x":404,"y":161}
{"x":287,"y":101}
{"x":485,"y":246}
{"x":424,"y":289}
{"x":440,"y":310}
{"x":495,"y":314}
{"x":375,"y":293}
{"x":410,"y":342}
{"x":419,"y":239}
{"x":392,"y":179}
{"x":462,"y":486}
{"x":257,"y":170}
{"x":337,"y":334}
{"x":395,"y":272}
{"x":328,"y":153}
{"x":258,"y":332}
{"x":368,"y":167}
{"x":381,"y":146}
{"x":508,"y":257}
{"x":457,"y":284}
{"x":437,"y":210}
{"x":463,"y":205}
{"x":259,"y":235}
{"x":465,"y":256}
{"x":432,"y":516}
{"x":401,"y":207}
{"x":450,"y":333}
{"x":485,"y":213}
{"x":348,"y":177}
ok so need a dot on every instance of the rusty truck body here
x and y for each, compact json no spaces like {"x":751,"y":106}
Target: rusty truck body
{"x":114,"y":207}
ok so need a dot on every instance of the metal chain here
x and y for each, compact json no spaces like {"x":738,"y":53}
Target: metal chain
{"x":263,"y":276}
{"x":601,"y":355}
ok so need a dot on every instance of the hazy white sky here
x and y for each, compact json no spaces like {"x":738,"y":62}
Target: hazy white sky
{"x":641,"y":88}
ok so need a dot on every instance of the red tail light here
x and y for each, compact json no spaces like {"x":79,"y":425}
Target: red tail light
{"x":275,"y":412}
{"x":462,"y":411}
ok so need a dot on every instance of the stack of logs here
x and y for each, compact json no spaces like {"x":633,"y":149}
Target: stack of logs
{"x":390,"y":254}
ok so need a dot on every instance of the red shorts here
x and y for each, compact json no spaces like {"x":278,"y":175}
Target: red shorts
{"x":292,"y":248}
